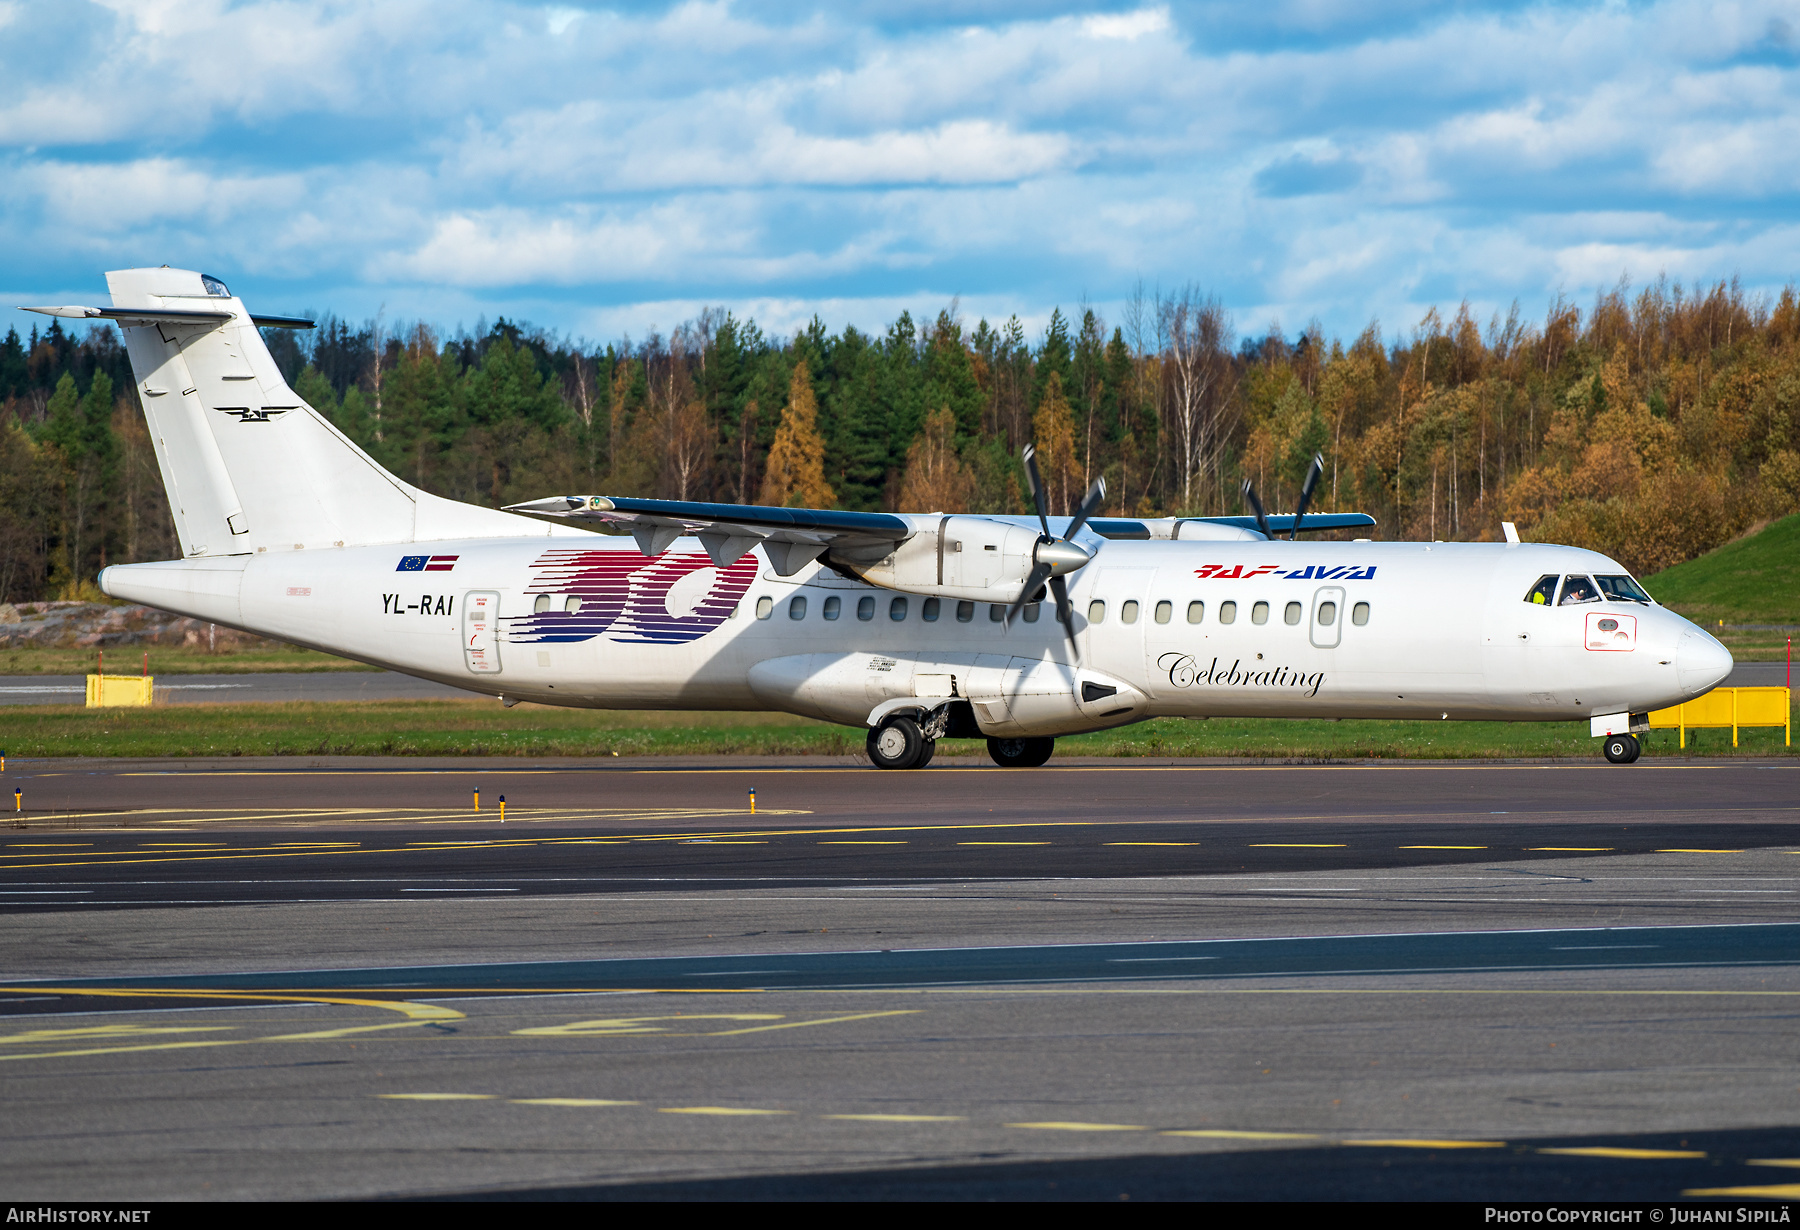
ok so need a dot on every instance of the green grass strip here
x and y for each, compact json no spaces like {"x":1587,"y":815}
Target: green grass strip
{"x":483,"y":728}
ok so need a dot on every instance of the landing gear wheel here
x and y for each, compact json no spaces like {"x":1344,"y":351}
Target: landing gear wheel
{"x":897,"y":744}
{"x":1020,"y":753}
{"x":1622,"y":749}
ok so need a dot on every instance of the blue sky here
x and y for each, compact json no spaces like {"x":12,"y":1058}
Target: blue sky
{"x":609,"y":170}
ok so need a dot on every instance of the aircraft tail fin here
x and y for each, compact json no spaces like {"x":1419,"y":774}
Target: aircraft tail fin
{"x":249,"y":466}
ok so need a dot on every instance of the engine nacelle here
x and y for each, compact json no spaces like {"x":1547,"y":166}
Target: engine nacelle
{"x":962,"y":557}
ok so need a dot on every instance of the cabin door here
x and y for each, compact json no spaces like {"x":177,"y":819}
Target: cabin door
{"x":481,"y":633}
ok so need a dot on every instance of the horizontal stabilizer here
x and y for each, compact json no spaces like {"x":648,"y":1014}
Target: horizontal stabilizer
{"x":166,"y":316}
{"x":135,"y":316}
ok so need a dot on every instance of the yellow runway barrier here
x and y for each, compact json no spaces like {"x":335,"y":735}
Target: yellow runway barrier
{"x":1733,"y":707}
{"x":112,"y":691}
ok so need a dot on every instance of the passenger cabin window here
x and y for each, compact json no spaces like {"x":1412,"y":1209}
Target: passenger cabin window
{"x":897,"y":610}
{"x":797,"y":607}
{"x":928,"y":611}
{"x":765,"y":607}
{"x":1032,"y":611}
{"x":1128,"y":613}
{"x":1165,"y":611}
{"x":965,"y":611}
{"x":1328,"y":613}
{"x":1096,"y":612}
{"x":1291,"y":614}
{"x":1543,"y":593}
{"x":996,"y":612}
{"x":541,"y":604}
{"x":865,"y":609}
{"x":833,"y":608}
{"x":1359,"y":614}
{"x":1623,"y":589}
{"x":572,"y":605}
{"x":1577,"y":589}
{"x":1259,"y":613}
{"x":1196,"y":612}
{"x":1227,"y":612}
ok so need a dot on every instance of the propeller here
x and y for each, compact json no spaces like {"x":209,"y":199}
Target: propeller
{"x":1262,"y":522}
{"x":1054,"y":558}
{"x":1306,"y":492}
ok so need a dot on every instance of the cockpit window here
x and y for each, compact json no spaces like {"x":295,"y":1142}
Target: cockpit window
{"x":214,"y":286}
{"x":1623,"y":589}
{"x":1544,"y":592}
{"x":1578,"y":589}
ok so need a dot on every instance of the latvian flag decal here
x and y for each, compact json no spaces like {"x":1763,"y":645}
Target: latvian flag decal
{"x":426,"y":563}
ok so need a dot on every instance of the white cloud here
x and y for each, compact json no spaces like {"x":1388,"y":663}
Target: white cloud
{"x":709,"y":150}
{"x":558,"y":19}
{"x":1127,"y":25}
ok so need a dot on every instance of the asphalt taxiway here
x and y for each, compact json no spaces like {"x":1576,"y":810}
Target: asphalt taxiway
{"x":337,"y":979}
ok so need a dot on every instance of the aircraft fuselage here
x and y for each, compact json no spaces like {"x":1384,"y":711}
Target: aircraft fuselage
{"x":1164,"y":629}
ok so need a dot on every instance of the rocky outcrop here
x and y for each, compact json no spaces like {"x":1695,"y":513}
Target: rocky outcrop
{"x":89,"y":624}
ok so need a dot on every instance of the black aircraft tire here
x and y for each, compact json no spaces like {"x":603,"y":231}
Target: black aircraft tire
{"x":1622,"y":749}
{"x":896,"y":744}
{"x":925,"y":753}
{"x":1020,"y":753}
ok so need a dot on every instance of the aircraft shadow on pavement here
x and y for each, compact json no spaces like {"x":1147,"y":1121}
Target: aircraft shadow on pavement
{"x":1661,"y":1167}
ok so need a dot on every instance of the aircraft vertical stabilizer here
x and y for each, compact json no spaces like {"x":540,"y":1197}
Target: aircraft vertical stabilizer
{"x":248,"y":466}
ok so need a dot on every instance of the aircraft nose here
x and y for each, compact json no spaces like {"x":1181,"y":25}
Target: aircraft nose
{"x":1701,"y":662}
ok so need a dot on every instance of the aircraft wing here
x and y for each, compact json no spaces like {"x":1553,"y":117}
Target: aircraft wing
{"x":790,"y":537}
{"x":1284,"y":523}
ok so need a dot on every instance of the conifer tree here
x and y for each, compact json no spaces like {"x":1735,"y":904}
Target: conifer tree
{"x":795,"y":476}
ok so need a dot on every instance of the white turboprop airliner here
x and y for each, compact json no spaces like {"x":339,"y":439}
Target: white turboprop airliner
{"x":913,"y":626}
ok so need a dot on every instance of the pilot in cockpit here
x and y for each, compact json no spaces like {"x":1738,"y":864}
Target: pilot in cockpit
{"x":1578,"y":589}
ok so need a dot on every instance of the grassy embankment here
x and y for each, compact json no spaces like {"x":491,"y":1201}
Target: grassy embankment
{"x":1755,"y":580}
{"x":483,"y":728}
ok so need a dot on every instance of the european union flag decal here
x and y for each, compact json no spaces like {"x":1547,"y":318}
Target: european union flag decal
{"x":412,"y":563}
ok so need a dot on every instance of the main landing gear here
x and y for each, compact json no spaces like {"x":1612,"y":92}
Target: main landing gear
{"x":901,"y":743}
{"x":898,"y":743}
{"x":1622,"y":749}
{"x":1020,"y":753}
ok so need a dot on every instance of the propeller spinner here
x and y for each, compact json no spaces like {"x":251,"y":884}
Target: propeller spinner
{"x":1055,"y":558}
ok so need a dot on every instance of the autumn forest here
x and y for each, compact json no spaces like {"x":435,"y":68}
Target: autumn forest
{"x":1653,"y":423}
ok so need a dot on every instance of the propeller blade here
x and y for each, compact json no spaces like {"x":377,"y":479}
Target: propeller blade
{"x":1065,"y":613}
{"x":1037,"y":489}
{"x":1033,"y":583}
{"x":1090,"y":505}
{"x":1262,"y":521}
{"x":1306,"y":492}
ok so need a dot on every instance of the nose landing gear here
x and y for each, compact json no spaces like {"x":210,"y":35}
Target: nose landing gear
{"x":1622,"y":749}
